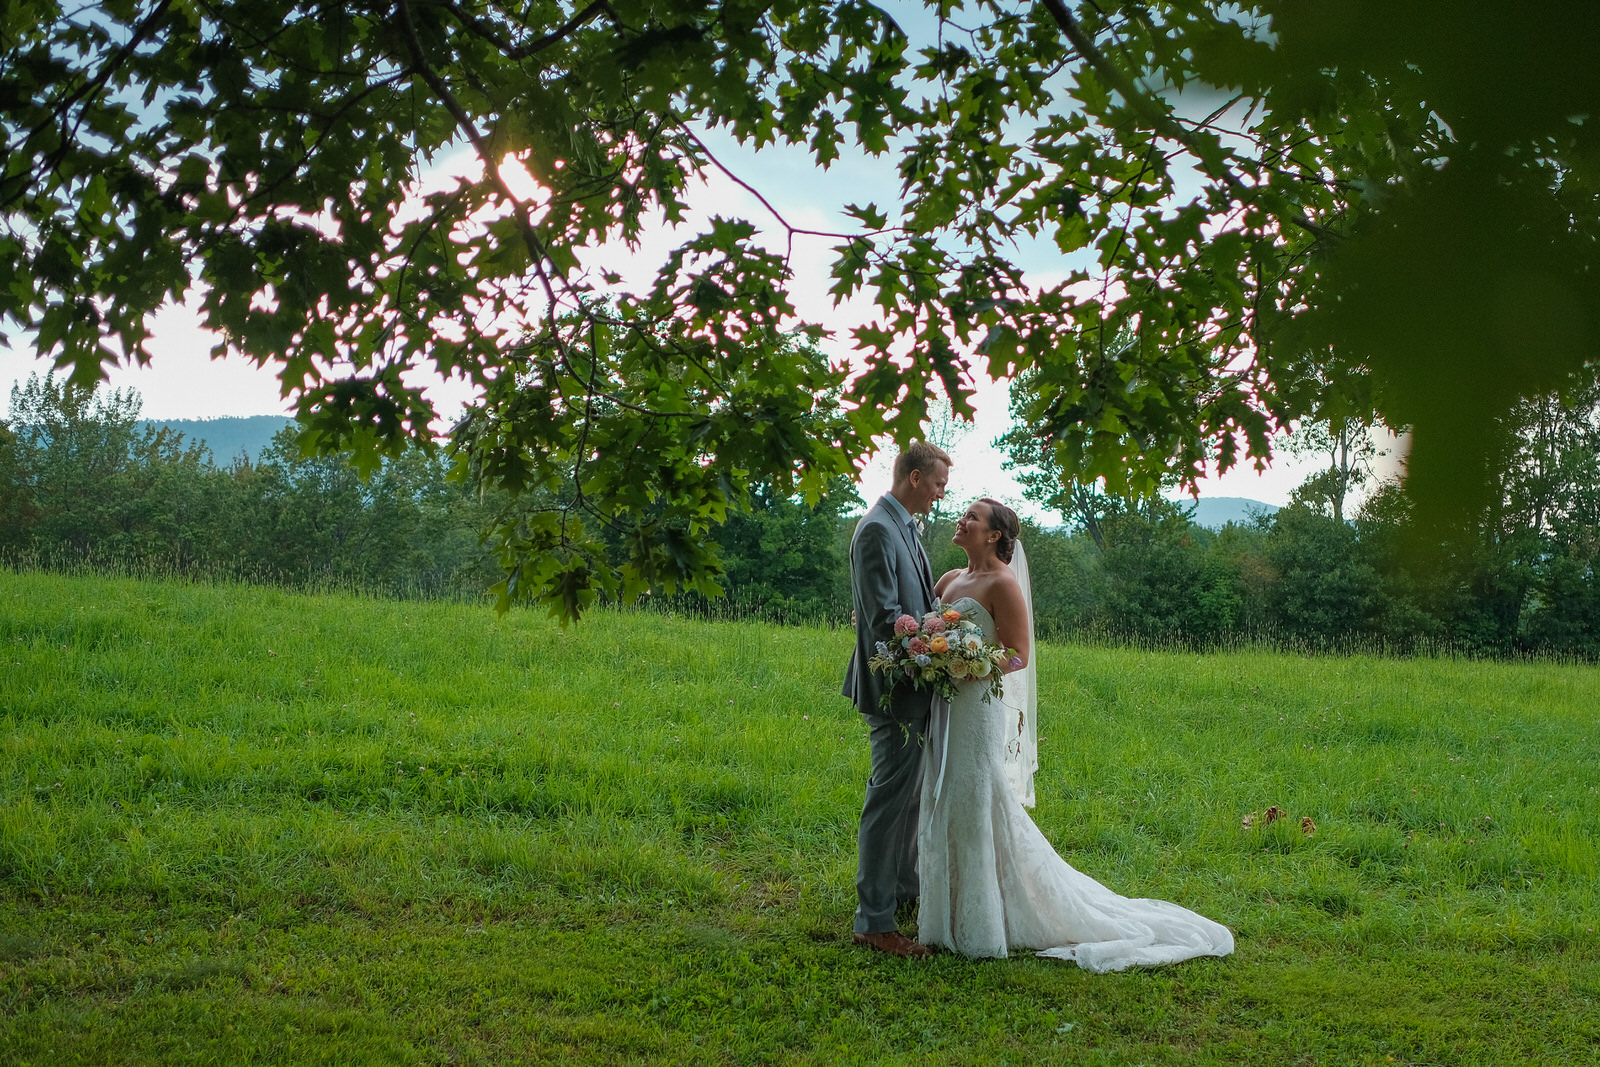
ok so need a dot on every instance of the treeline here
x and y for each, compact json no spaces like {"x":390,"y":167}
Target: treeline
{"x":1302,"y":579}
{"x":82,"y":483}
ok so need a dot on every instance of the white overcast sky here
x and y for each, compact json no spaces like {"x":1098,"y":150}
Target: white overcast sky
{"x":183,"y":382}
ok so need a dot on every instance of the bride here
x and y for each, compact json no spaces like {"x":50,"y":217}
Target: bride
{"x":991,"y":882}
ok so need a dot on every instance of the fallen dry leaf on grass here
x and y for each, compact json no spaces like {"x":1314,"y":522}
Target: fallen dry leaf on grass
{"x":1272,"y":815}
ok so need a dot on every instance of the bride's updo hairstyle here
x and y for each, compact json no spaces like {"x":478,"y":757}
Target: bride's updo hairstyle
{"x":1003,"y":520}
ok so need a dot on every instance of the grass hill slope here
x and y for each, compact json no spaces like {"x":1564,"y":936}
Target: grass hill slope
{"x":239,"y":825}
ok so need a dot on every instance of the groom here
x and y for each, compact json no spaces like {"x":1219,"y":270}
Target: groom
{"x":890,"y":577}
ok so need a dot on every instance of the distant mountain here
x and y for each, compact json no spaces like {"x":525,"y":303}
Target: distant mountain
{"x":1215,"y":512}
{"x":228,"y":437}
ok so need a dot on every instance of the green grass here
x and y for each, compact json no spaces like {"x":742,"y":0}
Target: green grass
{"x":239,"y":825}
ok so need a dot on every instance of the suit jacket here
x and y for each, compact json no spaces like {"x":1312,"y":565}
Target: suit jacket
{"x":887,"y":579}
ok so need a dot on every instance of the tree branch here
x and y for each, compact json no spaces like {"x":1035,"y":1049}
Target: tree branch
{"x":93,"y":85}
{"x":536,"y":46}
{"x":469,"y":128}
{"x":791,"y":230}
{"x":118,"y":57}
{"x":1161,"y":122}
{"x":489,"y":32}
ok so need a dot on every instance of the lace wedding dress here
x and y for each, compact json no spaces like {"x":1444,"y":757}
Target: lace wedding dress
{"x":991,"y":882}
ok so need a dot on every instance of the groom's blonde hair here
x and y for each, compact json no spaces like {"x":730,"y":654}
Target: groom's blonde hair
{"x":918,"y":456}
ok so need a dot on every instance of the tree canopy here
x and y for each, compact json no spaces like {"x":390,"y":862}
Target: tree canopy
{"x":1255,"y":205}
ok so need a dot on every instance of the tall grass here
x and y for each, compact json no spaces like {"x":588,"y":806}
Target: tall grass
{"x":239,"y":824}
{"x":163,"y":565}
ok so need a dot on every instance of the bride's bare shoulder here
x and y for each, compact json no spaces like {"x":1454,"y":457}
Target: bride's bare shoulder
{"x":1003,"y":593}
{"x":995,"y":581}
{"x":985,"y":587}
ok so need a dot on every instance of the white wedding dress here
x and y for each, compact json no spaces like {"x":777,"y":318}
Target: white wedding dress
{"x":991,"y":882}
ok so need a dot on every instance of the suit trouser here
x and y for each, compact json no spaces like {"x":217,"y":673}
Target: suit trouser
{"x":886,"y":866}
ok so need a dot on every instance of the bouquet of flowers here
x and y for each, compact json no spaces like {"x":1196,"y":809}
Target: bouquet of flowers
{"x":936,"y":652}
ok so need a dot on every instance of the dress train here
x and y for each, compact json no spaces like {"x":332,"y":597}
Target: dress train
{"x":990,"y":880}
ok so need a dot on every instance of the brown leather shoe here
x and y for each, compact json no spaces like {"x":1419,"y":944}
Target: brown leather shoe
{"x":894,"y":943}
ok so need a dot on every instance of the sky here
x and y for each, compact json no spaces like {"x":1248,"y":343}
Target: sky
{"x":183,"y":382}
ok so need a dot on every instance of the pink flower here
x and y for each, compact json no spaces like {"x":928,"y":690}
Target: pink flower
{"x":933,"y":625}
{"x":905,"y":626}
{"x":917,"y":646}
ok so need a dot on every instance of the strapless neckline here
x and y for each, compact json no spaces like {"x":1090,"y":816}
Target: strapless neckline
{"x":974,"y":603}
{"x":968,"y":606}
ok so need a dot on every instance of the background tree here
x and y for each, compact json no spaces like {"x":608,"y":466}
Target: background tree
{"x":1069,"y":492}
{"x":945,"y":429}
{"x":1044,"y":483}
{"x":17,"y":507}
{"x":782,"y":560}
{"x":88,"y":482}
{"x":1325,"y":591}
{"x":1347,"y":444}
{"x":1551,"y":447}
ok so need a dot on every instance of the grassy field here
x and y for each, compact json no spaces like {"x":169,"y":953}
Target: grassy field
{"x":239,"y":825}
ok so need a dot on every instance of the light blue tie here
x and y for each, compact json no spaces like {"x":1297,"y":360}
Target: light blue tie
{"x":922,"y":554}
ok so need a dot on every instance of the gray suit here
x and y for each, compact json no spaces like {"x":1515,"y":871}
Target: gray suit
{"x":889,"y":577}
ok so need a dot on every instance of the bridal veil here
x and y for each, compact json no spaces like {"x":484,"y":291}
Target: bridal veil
{"x":1021,"y":697}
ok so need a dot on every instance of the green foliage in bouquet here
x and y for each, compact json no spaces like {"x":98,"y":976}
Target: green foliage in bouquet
{"x":939,"y":651}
